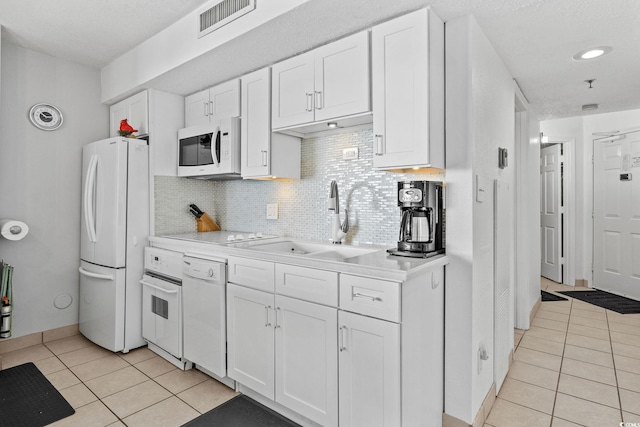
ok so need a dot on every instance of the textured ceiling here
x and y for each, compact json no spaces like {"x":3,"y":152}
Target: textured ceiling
{"x":535,"y":38}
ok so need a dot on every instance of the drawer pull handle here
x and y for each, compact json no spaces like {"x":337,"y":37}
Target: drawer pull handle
{"x":343,"y":346}
{"x":378,"y":145}
{"x":277,"y":311}
{"x":309,"y":102}
{"x":267,"y":309}
{"x":369,"y":297}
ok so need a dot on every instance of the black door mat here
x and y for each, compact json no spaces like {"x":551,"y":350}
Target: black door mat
{"x":27,"y":398}
{"x":241,"y":411}
{"x":606,"y":300}
{"x":548,"y":296}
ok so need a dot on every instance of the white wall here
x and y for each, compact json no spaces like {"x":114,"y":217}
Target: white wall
{"x":40,"y":177}
{"x":480,"y":118}
{"x":177,"y":45}
{"x":527,"y":215}
{"x":582,"y":128}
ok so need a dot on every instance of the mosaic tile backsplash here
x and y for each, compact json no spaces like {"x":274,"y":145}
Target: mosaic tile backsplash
{"x":369,"y":195}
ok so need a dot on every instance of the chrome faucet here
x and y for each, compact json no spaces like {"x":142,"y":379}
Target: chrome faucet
{"x":338,"y":231}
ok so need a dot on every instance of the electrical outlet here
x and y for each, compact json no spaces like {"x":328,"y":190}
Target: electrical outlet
{"x":272,"y":211}
{"x":350,"y":153}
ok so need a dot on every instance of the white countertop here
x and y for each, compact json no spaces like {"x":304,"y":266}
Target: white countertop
{"x":378,"y":264}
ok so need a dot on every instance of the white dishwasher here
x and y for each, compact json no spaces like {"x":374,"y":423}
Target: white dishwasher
{"x":204,"y":297}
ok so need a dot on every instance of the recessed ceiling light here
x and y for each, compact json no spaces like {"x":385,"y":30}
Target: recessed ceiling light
{"x":592,"y":53}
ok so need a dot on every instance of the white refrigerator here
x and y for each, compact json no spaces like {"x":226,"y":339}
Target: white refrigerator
{"x":114,"y":232}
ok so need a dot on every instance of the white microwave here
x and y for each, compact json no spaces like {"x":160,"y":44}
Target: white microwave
{"x":210,"y":151}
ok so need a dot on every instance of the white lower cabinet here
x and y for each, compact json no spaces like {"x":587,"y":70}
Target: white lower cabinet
{"x":374,"y":359}
{"x":250,"y":338}
{"x":286,"y":350}
{"x":369,"y":354}
{"x":306,"y":359}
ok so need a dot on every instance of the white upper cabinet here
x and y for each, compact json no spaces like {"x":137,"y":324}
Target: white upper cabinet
{"x":342,"y":84}
{"x":408,"y":91}
{"x":196,"y":108}
{"x":329,"y":82}
{"x":264,"y":154}
{"x":135,"y":109}
{"x":213,"y":104}
{"x":293,"y":91}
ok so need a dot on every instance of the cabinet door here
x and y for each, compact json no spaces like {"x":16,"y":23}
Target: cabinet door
{"x":255,"y":134}
{"x":135,"y":109}
{"x":117,"y":112}
{"x":197,"y":108}
{"x":306,"y":362}
{"x":342,"y":77}
{"x":292,"y":88}
{"x":224,"y":100}
{"x":138,"y":113}
{"x":402,"y":93}
{"x":369,"y":352}
{"x":250,"y":340}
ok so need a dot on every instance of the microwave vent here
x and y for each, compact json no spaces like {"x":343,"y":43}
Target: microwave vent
{"x":223,"y":13}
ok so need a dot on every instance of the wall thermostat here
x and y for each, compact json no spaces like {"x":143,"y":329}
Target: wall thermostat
{"x":502,"y":158}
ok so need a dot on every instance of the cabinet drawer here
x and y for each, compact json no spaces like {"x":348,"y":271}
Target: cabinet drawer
{"x":371,"y":297}
{"x":252,"y":273}
{"x":309,"y":284}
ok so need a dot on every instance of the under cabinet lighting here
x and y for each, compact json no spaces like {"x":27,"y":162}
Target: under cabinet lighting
{"x":332,"y":125}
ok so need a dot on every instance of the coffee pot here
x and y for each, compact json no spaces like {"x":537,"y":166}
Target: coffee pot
{"x":422,"y":220}
{"x":416,"y":226}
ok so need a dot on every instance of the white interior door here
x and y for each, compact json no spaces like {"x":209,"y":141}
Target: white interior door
{"x":551,"y":212}
{"x":616,"y":213}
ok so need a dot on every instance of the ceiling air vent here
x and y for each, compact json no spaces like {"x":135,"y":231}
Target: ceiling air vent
{"x":223,"y":13}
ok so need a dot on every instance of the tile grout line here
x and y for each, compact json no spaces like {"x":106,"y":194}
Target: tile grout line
{"x":564,"y":346}
{"x":615,"y":371}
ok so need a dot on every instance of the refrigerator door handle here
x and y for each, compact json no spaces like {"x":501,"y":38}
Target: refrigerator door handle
{"x":85,"y":197}
{"x":95,"y":275}
{"x":89,"y":194}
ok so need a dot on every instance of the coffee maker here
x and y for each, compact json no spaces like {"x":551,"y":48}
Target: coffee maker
{"x":422,"y":225}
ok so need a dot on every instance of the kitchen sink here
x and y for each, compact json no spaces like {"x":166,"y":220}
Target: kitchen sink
{"x":289,"y":247}
{"x":312,"y":250}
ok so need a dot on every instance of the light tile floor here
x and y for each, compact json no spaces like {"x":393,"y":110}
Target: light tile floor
{"x":134,"y":389}
{"x":578,"y":365}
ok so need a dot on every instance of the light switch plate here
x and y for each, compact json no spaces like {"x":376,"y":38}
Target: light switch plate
{"x":272,"y":211}
{"x":350,"y":153}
